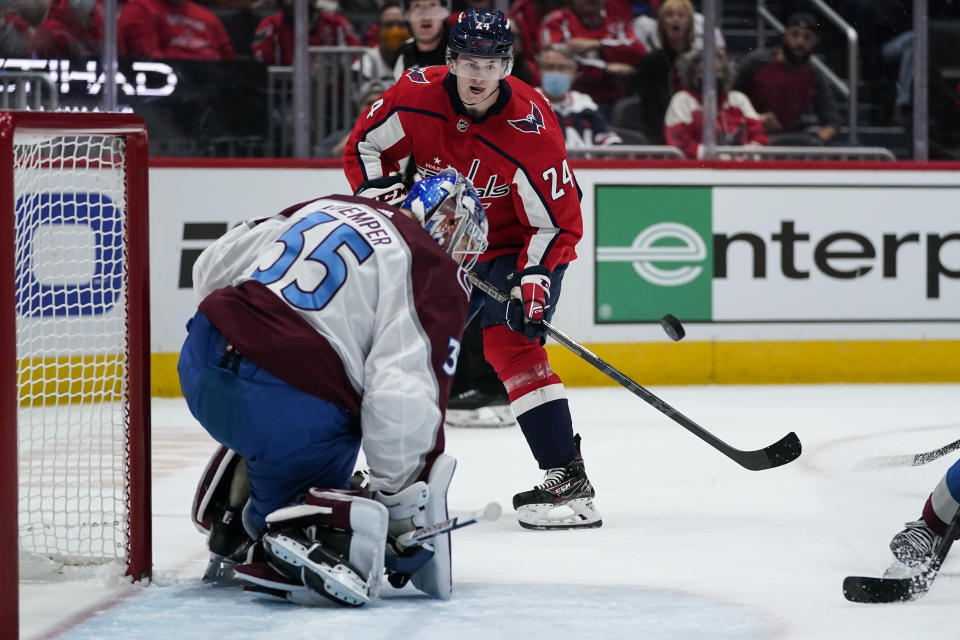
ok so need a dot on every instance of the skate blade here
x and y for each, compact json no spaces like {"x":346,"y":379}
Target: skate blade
{"x":494,"y":417}
{"x":219,"y":572}
{"x":575,"y":514}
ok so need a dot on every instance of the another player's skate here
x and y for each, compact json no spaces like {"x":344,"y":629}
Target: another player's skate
{"x":913,"y":548}
{"x":563,"y":501}
{"x":475,"y":408}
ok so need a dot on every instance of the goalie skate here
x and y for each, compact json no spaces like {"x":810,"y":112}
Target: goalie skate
{"x":563,"y":501}
{"x":319,"y":569}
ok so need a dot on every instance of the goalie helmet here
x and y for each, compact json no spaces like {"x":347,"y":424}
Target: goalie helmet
{"x":449,"y":209}
{"x":482,"y":34}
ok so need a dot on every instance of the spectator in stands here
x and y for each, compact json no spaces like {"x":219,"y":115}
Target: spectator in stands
{"x":524,"y":62}
{"x":583,"y":124}
{"x":656,"y":79}
{"x":428,"y":46}
{"x":333,"y":145}
{"x":604,"y":46}
{"x":525,"y":18}
{"x":15,"y":33}
{"x":392,"y":32}
{"x":273,"y":40}
{"x":783,"y":86}
{"x":73,"y":29}
{"x":649,"y":32}
{"x":172,"y":29}
{"x":737,"y":120}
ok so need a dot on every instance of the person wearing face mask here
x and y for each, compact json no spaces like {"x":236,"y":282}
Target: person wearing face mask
{"x":784,"y":86}
{"x":72,"y":29}
{"x":392,"y":32}
{"x":737,"y":121}
{"x":428,"y":46}
{"x":170,"y":30}
{"x":15,"y":33}
{"x":273,"y":39}
{"x":583,"y":124}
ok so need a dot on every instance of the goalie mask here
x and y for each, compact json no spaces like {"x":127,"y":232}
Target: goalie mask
{"x":449,"y":209}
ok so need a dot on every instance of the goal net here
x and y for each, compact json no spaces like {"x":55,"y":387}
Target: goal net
{"x":73,"y":306}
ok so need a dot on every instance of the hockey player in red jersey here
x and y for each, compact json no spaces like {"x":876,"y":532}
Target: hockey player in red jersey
{"x":501,"y":133}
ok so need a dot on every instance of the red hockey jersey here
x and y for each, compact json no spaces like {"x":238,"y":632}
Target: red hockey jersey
{"x":273,"y":40}
{"x":514,"y":155}
{"x":737,"y":122}
{"x":60,"y":35}
{"x":617,"y":45}
{"x":164,"y":30}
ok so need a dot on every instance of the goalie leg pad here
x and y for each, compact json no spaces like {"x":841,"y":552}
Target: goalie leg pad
{"x":217,"y":506}
{"x":436,"y":577}
{"x":333,"y":543}
{"x":419,"y":505}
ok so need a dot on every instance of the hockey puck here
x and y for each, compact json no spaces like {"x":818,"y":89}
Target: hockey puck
{"x":672,"y":327}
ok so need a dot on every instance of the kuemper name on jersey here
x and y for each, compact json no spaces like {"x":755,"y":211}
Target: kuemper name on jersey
{"x":367,"y":222}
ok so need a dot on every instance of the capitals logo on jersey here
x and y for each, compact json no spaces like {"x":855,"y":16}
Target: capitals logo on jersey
{"x":533,"y":123}
{"x":416,"y":75}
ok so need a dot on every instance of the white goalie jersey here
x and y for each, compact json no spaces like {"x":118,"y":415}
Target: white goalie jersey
{"x":349,"y":300}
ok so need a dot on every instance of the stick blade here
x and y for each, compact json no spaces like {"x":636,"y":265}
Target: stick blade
{"x":881,"y":590}
{"x":786,"y":449}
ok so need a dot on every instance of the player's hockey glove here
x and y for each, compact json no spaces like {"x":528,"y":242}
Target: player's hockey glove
{"x":529,"y":301}
{"x":389,"y":189}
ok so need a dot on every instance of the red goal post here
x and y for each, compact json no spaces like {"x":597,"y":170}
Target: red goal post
{"x":74,"y":345}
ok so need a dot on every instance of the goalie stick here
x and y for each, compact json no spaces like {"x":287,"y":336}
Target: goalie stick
{"x":906,"y":460}
{"x":877,"y":590}
{"x":779,"y":453}
{"x":491,"y":512}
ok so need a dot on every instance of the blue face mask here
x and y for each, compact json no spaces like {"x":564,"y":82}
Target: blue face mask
{"x":555,"y":83}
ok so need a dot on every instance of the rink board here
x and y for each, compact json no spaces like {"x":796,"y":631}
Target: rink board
{"x":832,"y":273}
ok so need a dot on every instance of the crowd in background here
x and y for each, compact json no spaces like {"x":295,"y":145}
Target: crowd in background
{"x":615,"y":71}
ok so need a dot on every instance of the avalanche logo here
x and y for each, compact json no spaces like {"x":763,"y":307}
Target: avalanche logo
{"x":532,"y":123}
{"x":416,"y":75}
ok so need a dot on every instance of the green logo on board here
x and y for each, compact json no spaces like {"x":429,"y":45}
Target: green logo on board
{"x":654,"y":253}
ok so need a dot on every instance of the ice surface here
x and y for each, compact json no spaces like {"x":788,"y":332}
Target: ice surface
{"x":692,"y":545}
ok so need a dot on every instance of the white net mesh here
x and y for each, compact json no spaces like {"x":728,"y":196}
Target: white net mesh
{"x":71,"y":250}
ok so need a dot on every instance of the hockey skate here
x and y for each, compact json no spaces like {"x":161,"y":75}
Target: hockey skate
{"x":913,"y":548}
{"x":563,"y":501}
{"x":475,"y":408}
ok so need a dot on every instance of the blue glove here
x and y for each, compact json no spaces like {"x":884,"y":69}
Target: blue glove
{"x":529,"y":301}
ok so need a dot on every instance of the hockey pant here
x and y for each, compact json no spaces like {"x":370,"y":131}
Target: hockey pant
{"x":536,"y":393}
{"x":290,"y":440}
{"x":944,"y":501}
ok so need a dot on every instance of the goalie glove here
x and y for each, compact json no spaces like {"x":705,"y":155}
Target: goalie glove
{"x":529,"y":301}
{"x":389,"y":189}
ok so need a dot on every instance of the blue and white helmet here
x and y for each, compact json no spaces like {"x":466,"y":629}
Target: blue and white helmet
{"x":482,"y":34}
{"x":449,"y":209}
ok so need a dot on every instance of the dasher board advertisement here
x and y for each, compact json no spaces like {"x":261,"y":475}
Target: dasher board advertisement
{"x":789,"y":253}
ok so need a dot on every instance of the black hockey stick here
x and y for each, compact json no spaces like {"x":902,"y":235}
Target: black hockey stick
{"x":906,"y":460}
{"x":779,"y":453}
{"x":876,"y":590}
{"x":490,"y":512}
